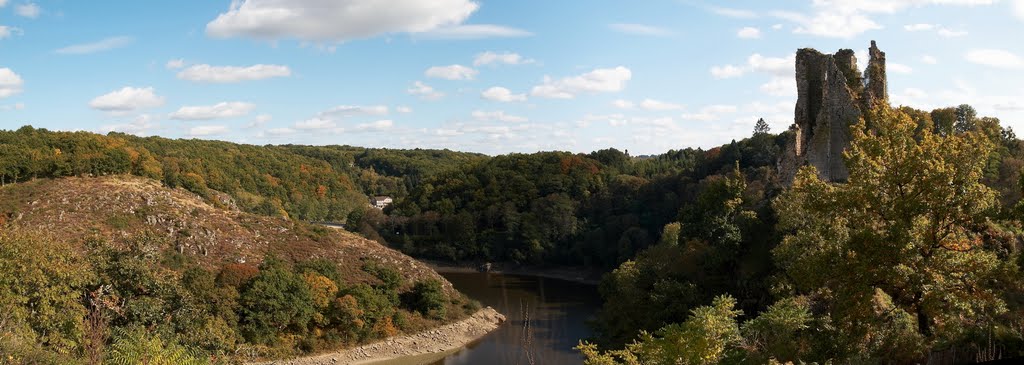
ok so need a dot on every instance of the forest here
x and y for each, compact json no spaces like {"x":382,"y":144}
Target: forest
{"x":709,"y":257}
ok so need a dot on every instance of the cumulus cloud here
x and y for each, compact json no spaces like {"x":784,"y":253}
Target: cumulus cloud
{"x":623,"y":104}
{"x":918,"y":27}
{"x":28,"y":10}
{"x":749,"y":33}
{"x":10,"y":83}
{"x":780,"y":86}
{"x":733,"y":12}
{"x":598,"y":80}
{"x":127,"y":99}
{"x":657,"y":105}
{"x":316,"y":123}
{"x":379,"y":125}
{"x":207,"y":130}
{"x":354,"y":110}
{"x":403,"y":109}
{"x":995,"y":58}
{"x":227,"y":74}
{"x":260,"y":121}
{"x":424,"y":91}
{"x":1018,"y":8}
{"x":847,"y":19}
{"x":451,"y":72}
{"x":336,"y":21}
{"x":217,"y":111}
{"x":508,"y":58}
{"x":949,"y":33}
{"x":175,"y":64}
{"x":141,"y":125}
{"x":929,"y":59}
{"x":7,"y":32}
{"x":98,"y":46}
{"x":939,"y":29}
{"x":711,"y":112}
{"x":497,"y":115}
{"x":778,"y":66}
{"x":898,"y":68}
{"x":640,"y":29}
{"x":498,"y":93}
{"x":474,"y":31}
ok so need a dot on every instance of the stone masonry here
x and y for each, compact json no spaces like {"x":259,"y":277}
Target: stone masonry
{"x":832,"y":95}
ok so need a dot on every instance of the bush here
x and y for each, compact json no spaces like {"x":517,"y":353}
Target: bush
{"x":428,"y":298}
{"x":274,"y":301}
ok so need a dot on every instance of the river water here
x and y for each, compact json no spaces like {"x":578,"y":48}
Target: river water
{"x":546,"y":319}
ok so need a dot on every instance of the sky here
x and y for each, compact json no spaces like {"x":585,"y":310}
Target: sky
{"x":482,"y":75}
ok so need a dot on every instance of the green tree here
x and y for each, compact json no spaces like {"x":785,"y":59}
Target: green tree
{"x":901,"y":241}
{"x":274,"y":301}
{"x":761,"y":127}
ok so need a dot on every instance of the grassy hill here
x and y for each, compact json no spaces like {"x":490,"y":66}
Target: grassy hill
{"x":120,"y":261}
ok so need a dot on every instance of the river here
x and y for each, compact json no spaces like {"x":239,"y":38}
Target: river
{"x":546,"y":319}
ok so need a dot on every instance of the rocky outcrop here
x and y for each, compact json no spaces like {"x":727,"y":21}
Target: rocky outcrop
{"x":832,"y":95}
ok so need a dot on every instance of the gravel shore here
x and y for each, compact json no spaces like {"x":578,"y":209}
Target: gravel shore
{"x":440,"y":339}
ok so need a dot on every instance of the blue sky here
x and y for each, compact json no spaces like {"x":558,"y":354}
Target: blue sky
{"x":482,"y":76}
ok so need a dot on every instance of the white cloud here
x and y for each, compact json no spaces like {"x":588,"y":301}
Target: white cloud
{"x":623,"y":104}
{"x":474,"y":31}
{"x":498,"y":93}
{"x":28,"y":10}
{"x":451,"y":72}
{"x":175,"y":64}
{"x":780,"y":86}
{"x":949,"y":33}
{"x":727,"y":71}
{"x":711,"y":112}
{"x":217,"y":111}
{"x":280,"y":131}
{"x":640,"y":29}
{"x":749,"y":33}
{"x":1018,"y":8}
{"x":929,"y":59}
{"x":127,"y":99}
{"x":353,"y":110}
{"x":226,"y":74}
{"x":3,"y":3}
{"x":508,"y":58}
{"x":7,"y":32}
{"x":260,"y":121}
{"x":920,"y":27}
{"x":403,"y":109}
{"x":779,"y":66}
{"x":10,"y":83}
{"x":336,"y":21}
{"x":498,"y":115}
{"x":733,"y":13}
{"x":657,"y":105}
{"x":207,"y":130}
{"x":142,"y":125}
{"x":995,"y":58}
{"x":598,"y":80}
{"x":847,"y":19}
{"x":424,"y":91}
{"x":777,"y":26}
{"x":379,"y":125}
{"x":316,"y":123}
{"x":99,"y":46}
{"x":15,"y":106}
{"x":898,"y":68}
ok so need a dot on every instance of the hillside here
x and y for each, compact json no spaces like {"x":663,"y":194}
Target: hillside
{"x":163,"y":264}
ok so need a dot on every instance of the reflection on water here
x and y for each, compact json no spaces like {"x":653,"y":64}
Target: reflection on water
{"x":546,"y":319}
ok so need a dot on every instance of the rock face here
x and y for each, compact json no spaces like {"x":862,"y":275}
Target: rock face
{"x":831,"y":96}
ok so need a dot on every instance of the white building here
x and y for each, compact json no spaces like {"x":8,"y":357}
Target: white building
{"x":380,"y":202}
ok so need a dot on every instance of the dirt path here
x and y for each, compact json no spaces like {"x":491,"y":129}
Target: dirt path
{"x":440,"y":339}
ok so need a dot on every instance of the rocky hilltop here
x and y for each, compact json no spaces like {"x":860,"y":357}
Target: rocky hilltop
{"x":832,"y":95}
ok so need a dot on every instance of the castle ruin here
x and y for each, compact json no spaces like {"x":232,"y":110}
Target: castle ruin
{"x":832,"y":95}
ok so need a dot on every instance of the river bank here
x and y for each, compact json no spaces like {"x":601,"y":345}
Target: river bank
{"x":573,"y":274}
{"x":438,"y":340}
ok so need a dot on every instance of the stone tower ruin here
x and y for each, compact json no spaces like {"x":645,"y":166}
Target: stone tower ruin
{"x":832,"y":95}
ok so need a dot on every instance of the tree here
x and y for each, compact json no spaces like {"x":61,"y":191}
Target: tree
{"x":903,"y":236}
{"x":707,"y":337}
{"x":761,"y":127}
{"x":275,"y":300}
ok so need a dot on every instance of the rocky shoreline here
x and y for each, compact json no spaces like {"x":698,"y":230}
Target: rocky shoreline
{"x":576,"y":275}
{"x":438,"y":340}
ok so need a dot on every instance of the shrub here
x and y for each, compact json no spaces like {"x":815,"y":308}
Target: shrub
{"x":274,"y":301}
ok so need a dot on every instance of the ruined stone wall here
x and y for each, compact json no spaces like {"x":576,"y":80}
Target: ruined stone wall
{"x":831,"y":96}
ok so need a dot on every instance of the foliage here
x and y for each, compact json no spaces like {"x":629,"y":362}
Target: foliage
{"x":276,"y":299}
{"x":428,"y":298}
{"x":136,"y":346}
